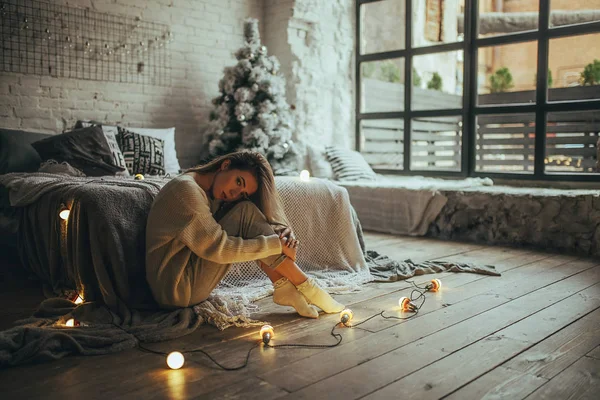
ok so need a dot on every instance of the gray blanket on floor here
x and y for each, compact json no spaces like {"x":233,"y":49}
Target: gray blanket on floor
{"x":103,"y":259}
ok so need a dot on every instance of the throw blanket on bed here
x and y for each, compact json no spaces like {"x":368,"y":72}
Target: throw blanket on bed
{"x":402,"y":205}
{"x":99,"y":251}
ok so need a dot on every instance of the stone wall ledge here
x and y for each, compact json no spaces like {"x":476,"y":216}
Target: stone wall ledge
{"x":556,"y":220}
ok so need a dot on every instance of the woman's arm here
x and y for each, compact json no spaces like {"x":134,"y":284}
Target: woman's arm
{"x":207,"y":239}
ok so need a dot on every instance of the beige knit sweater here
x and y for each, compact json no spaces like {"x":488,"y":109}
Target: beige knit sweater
{"x":181,"y":223}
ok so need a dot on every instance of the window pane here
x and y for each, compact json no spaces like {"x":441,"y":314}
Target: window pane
{"x":436,"y":144}
{"x":383,"y":143}
{"x":382,"y":85}
{"x":506,"y":74}
{"x":382,"y":26}
{"x":505,"y":143}
{"x":437,"y":22}
{"x":574,"y":64}
{"x":504,"y":17}
{"x":572,"y":142}
{"x":571,"y":12}
{"x":437,"y":81}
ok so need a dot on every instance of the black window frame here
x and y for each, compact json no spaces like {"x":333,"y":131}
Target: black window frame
{"x":470,"y":110}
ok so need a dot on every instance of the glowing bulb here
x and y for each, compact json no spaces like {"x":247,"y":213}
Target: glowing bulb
{"x":70,"y":322}
{"x":407,"y":305}
{"x":304,"y":175}
{"x":78,"y":300}
{"x":266,"y":333}
{"x":346,"y":316}
{"x":175,"y":360}
{"x":434,"y":286}
{"x":139,"y":177}
{"x":64,"y":213}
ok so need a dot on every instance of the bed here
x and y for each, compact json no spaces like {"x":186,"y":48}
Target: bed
{"x":97,"y":252}
{"x":402,"y":205}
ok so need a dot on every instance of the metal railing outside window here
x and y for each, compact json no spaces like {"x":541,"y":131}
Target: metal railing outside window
{"x":458,"y":88}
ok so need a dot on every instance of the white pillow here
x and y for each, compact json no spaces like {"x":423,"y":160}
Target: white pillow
{"x":320,"y":167}
{"x":168,"y":136}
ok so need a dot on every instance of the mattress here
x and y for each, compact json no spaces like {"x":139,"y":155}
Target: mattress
{"x":402,"y":205}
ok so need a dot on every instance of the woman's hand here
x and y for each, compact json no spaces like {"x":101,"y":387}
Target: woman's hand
{"x":284,"y":232}
{"x":289,"y":250}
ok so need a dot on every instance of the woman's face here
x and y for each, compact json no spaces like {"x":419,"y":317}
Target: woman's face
{"x":233,"y":184}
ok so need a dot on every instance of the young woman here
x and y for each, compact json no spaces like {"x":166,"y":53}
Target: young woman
{"x":191,"y":245}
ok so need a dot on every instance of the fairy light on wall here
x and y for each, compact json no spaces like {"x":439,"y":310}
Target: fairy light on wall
{"x":43,"y":38}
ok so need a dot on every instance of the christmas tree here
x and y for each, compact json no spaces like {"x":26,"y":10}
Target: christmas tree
{"x":251,"y":111}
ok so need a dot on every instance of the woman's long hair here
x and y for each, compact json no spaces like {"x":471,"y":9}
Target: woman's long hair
{"x":266,"y":197}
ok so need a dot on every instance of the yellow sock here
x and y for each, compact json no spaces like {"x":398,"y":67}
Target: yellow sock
{"x":320,"y":298}
{"x":286,"y":294}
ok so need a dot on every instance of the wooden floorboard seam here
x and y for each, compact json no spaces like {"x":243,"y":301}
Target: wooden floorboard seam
{"x":407,"y":377}
{"x":478,"y":314}
{"x":526,"y":349}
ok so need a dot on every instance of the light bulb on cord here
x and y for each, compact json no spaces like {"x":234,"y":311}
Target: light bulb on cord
{"x":346,"y":316}
{"x":71,"y":322}
{"x":434,"y":285}
{"x":407,"y":305}
{"x":78,"y":300}
{"x":304,"y":175}
{"x":266,"y":333}
{"x":175,"y":360}
{"x":64,"y":212}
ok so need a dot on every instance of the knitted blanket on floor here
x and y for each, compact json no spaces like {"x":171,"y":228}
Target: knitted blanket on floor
{"x":99,"y":252}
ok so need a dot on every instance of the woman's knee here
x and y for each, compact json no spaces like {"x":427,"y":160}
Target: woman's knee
{"x":247,"y":207}
{"x":246,"y":220}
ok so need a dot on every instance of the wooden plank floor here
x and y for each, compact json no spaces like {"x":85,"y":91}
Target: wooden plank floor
{"x":532,"y":333}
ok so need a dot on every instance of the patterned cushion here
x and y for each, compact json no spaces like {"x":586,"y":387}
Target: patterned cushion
{"x":349,"y":165}
{"x":142,"y":154}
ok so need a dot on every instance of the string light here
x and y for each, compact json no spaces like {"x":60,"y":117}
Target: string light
{"x":304,"y":175}
{"x":175,"y":360}
{"x":64,"y":212}
{"x":266,"y":333}
{"x":72,"y":322}
{"x":161,"y":39}
{"x":78,"y":300}
{"x":346,"y":316}
{"x":407,"y":305}
{"x":434,"y":286}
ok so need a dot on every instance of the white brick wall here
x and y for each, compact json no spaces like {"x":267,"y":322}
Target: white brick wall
{"x":206,"y":34}
{"x":313,"y":40}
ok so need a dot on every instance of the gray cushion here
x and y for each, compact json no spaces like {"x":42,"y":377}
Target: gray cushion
{"x":16,"y":152}
{"x":85,"y":149}
{"x":16,"y":155}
